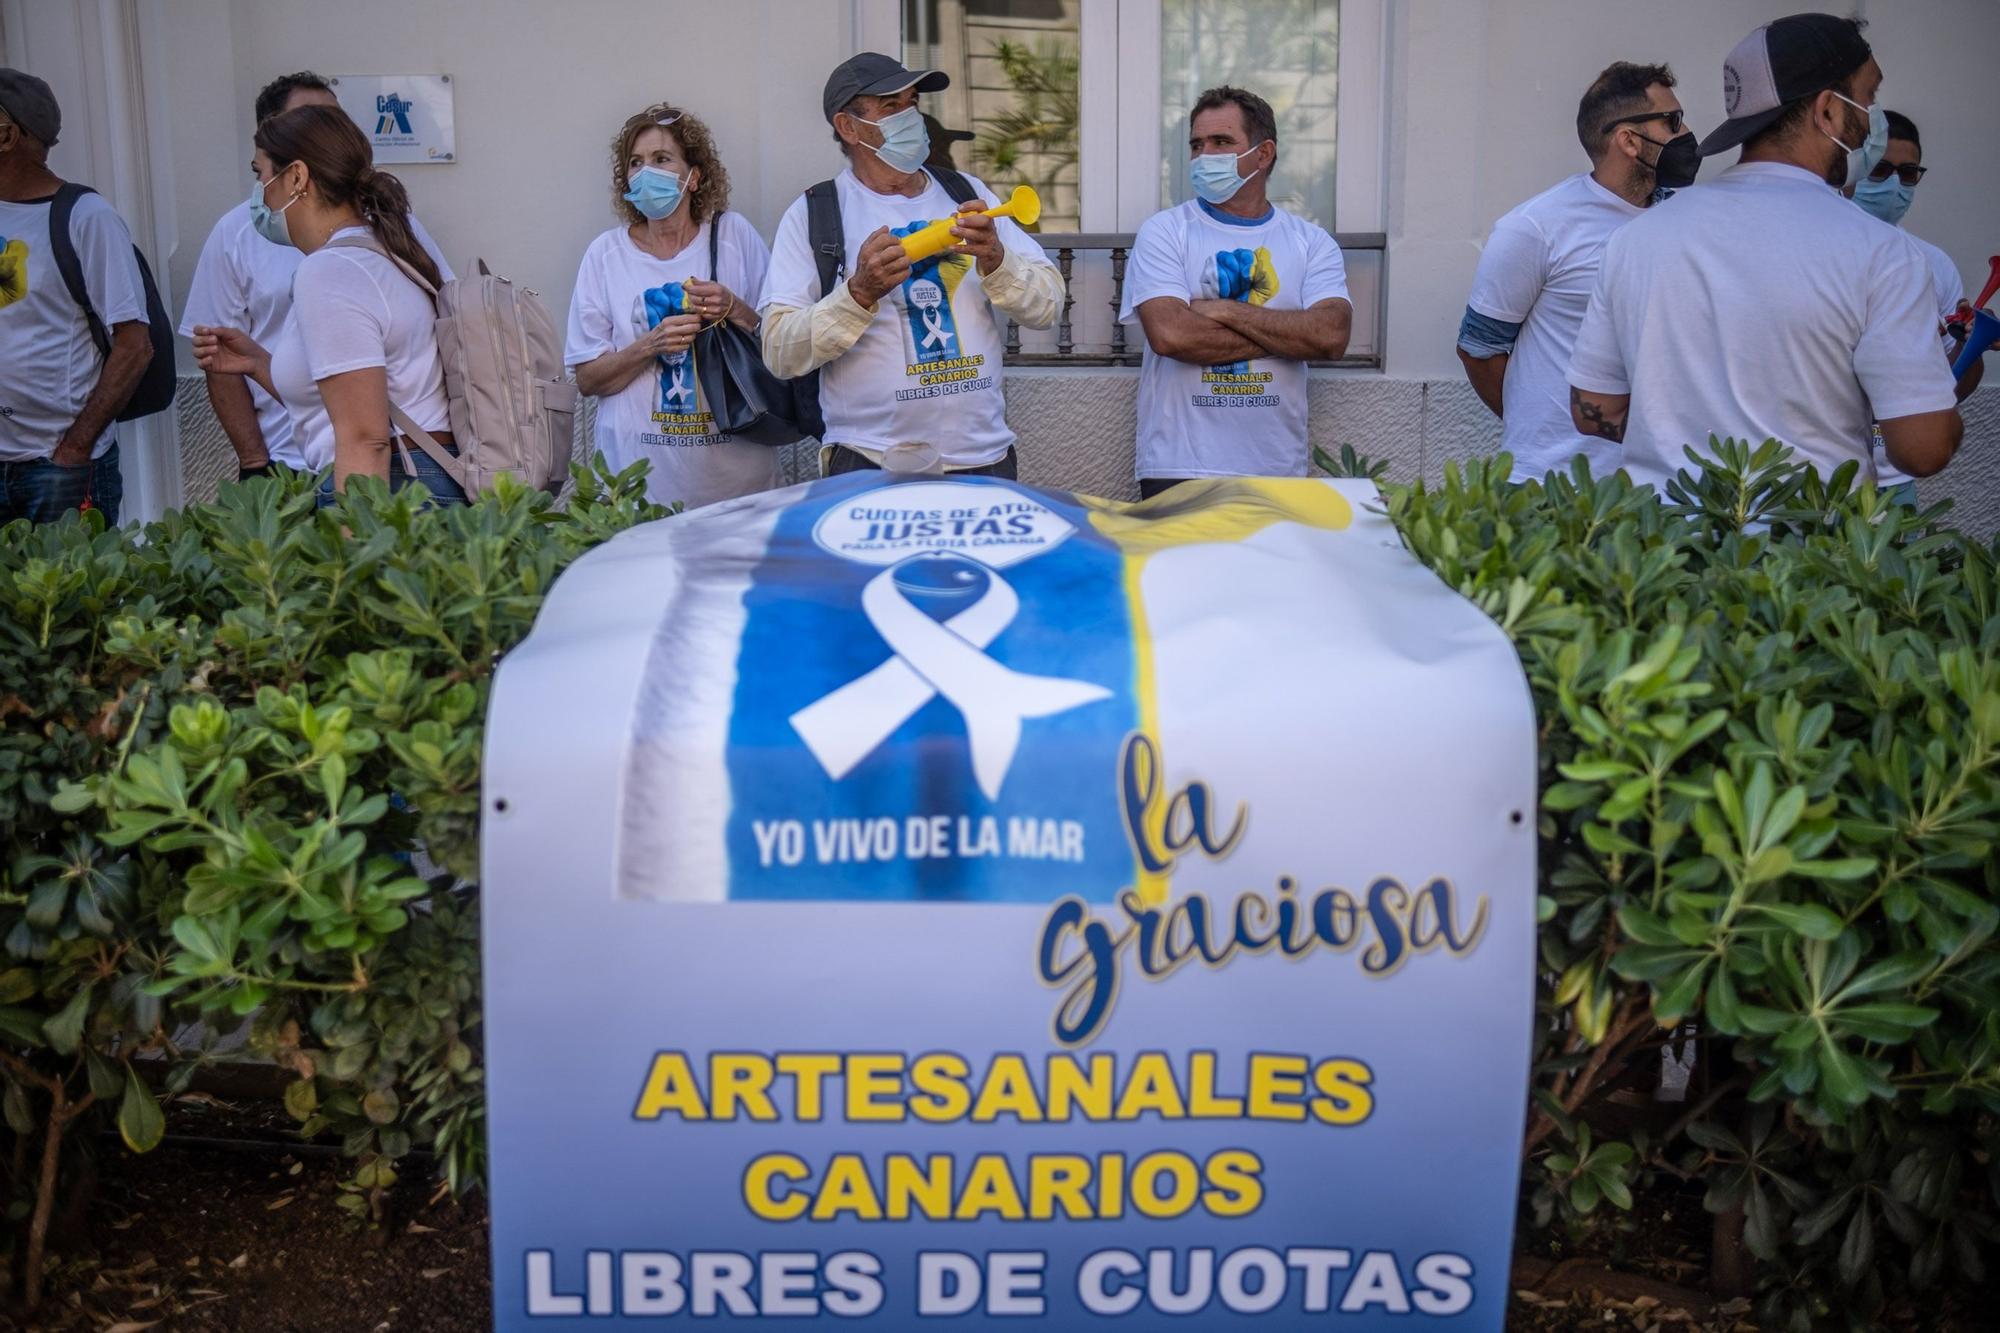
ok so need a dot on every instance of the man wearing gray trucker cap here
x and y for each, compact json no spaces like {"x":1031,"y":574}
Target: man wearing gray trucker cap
{"x":907,"y":352}
{"x":1767,"y":306}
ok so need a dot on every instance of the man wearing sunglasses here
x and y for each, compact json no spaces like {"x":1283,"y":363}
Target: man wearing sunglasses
{"x":1538,"y":267}
{"x":1762,"y":305}
{"x":1887,"y":193}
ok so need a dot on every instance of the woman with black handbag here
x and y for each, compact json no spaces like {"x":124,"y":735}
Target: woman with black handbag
{"x":676,"y":263}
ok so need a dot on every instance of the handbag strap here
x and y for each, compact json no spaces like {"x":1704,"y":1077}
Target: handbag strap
{"x":714,"y":232}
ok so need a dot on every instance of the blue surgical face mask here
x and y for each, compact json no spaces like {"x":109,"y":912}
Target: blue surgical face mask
{"x":906,"y":142}
{"x":1886,"y":199}
{"x":1862,"y":160}
{"x":654,"y":191}
{"x":1214,"y":178}
{"x":270,"y":222}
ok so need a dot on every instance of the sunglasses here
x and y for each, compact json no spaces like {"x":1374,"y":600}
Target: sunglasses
{"x":1909,"y":173}
{"x":1675,"y":120}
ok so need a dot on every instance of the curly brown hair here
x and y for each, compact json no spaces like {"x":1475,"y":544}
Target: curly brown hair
{"x":697,"y":145}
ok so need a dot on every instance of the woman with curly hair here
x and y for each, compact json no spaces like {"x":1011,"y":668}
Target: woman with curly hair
{"x":645,"y":288}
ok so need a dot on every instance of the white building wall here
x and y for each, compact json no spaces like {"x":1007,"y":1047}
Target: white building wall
{"x":1483,"y":115}
{"x":540,"y":90}
{"x":1480,"y":106}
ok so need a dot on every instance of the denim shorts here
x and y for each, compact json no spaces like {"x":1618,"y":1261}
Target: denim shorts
{"x":42,"y":491}
{"x":444,"y":490}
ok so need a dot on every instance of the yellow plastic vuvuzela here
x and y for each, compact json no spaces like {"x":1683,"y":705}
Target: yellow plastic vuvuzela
{"x":1024,"y":206}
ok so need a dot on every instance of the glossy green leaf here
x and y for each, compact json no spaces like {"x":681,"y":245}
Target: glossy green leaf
{"x":64,"y":1028}
{"x":140,"y":1121}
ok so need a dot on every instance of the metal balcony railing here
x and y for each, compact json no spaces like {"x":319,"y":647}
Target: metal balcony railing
{"x":1088,"y":333}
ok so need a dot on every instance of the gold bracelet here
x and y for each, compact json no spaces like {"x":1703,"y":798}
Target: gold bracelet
{"x":723,"y":318}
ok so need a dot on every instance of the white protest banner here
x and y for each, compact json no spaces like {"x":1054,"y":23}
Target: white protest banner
{"x":947,"y":897}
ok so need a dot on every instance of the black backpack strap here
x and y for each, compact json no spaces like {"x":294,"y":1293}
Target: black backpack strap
{"x":62,"y":246}
{"x":824,"y":233}
{"x":955,"y":184}
{"x":714,"y":233}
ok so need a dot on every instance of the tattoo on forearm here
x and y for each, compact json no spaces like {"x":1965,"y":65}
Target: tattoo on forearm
{"x":1609,"y":426}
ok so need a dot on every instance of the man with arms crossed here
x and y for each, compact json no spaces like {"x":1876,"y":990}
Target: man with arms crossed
{"x":1235,"y":296}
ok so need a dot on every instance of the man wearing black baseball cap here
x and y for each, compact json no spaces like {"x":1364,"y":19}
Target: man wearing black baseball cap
{"x":941,"y":141}
{"x":907,"y":352}
{"x":59,"y":391}
{"x":1767,"y":306}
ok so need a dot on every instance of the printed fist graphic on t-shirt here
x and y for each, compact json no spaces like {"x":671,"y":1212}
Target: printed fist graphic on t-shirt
{"x":13,"y":270}
{"x":1244,"y":275}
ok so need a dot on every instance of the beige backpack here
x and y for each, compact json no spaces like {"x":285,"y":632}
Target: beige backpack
{"x":511,"y":408}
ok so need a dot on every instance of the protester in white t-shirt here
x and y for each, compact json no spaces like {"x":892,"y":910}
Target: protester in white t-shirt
{"x":1764,"y":305}
{"x":58,"y":393}
{"x":1887,"y":194}
{"x":361,"y":333}
{"x":906,"y":352}
{"x":642,"y":292}
{"x":243,"y":281}
{"x":1538,"y":267}
{"x":1235,"y":295}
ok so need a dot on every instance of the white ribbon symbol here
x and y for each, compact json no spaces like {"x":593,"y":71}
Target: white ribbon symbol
{"x":677,"y":385}
{"x":932,"y":657}
{"x":936,"y":334}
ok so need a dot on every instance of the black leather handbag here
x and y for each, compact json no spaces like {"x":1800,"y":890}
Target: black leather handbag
{"x":749,"y":402}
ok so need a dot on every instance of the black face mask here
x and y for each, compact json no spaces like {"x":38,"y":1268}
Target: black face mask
{"x":1679,"y":160}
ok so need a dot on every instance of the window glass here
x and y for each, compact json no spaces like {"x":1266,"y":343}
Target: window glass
{"x":1285,"y":51}
{"x":1013,"y":68}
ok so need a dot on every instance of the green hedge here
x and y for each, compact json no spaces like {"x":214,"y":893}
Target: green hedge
{"x":225,"y":736}
{"x":1770,"y":711}
{"x":1770,"y":719}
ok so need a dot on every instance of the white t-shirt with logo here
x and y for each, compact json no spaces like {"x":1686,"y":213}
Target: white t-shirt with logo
{"x":353,"y":309}
{"x":928,"y":367}
{"x":621,"y":292}
{"x":1246,"y":419}
{"x":1538,"y":270}
{"x":243,"y":281}
{"x":48,"y":363}
{"x":1949,"y":288}
{"x":1761,"y":306}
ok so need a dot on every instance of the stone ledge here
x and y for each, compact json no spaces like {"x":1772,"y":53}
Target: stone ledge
{"x":1077,"y":427}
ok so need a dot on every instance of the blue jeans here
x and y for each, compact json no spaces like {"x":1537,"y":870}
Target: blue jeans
{"x":444,"y":491}
{"x":42,"y":491}
{"x":1903,"y":493}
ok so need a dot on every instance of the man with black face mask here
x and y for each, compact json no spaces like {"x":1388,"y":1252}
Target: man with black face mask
{"x":1540,"y":264}
{"x":1763,"y":305}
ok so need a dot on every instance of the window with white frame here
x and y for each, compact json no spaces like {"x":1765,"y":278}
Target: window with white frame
{"x":1087,"y":101}
{"x":1285,"y":51}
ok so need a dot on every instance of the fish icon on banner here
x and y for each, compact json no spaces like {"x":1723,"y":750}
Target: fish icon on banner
{"x":950,"y":565}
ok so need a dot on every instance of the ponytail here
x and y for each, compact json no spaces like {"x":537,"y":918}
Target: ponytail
{"x":386,"y":206}
{"x":342,"y":168}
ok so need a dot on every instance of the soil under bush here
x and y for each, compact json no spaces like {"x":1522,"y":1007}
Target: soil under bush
{"x":232,"y":1225}
{"x":206,"y":1238}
